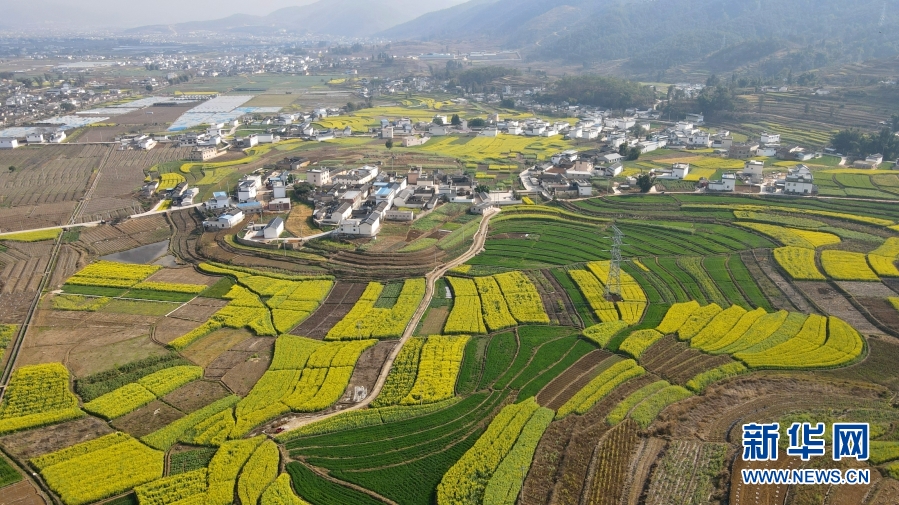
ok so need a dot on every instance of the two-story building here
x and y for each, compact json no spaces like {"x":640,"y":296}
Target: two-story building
{"x":799,"y":181}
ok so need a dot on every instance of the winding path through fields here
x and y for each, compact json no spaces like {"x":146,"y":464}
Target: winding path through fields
{"x":480,"y":238}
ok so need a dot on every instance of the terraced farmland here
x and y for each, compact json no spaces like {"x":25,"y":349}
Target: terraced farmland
{"x":256,"y":380}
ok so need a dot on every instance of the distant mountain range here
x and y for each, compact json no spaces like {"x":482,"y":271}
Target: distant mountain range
{"x":655,"y":35}
{"x":345,"y":18}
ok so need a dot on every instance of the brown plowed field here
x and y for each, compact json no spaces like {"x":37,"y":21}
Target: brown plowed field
{"x":256,"y":354}
{"x":196,"y":395}
{"x":32,"y":443}
{"x":70,"y":260}
{"x":170,"y":328}
{"x":563,"y":387}
{"x":569,"y":476}
{"x":23,"y":266}
{"x":765,"y":261}
{"x":337,"y":305}
{"x":723,"y":406}
{"x":188,"y":228}
{"x":253,"y":350}
{"x":14,"y":307}
{"x":147,"y":419}
{"x":676,"y":362}
{"x":21,"y":493}
{"x":834,"y":303}
{"x":199,"y":309}
{"x":555,"y":300}
{"x":131,"y":233}
{"x":208,"y":248}
{"x":368,"y":367}
{"x":882,"y":310}
{"x":88,"y":342}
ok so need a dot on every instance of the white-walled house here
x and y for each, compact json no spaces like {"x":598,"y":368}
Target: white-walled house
{"x":219,"y":200}
{"x":613,"y":170}
{"x":584,"y":188}
{"x":246,"y":192}
{"x":34,"y":138}
{"x":678,"y":171}
{"x":767,"y":151}
{"x":319,"y":177}
{"x":9,"y":143}
{"x":700,"y":138}
{"x":727,"y":183}
{"x":224,"y":221}
{"x":268,"y":138}
{"x":799,"y":180}
{"x":367,"y":227}
{"x":147,"y":144}
{"x":770,"y":138}
{"x":274,"y":229}
{"x":754,"y":170}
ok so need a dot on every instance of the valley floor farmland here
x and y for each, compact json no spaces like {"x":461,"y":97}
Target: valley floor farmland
{"x":522,"y":384}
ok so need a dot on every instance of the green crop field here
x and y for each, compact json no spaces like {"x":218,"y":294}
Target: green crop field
{"x":504,"y":358}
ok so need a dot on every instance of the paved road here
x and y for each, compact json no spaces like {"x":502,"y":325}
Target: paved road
{"x":430,"y":285}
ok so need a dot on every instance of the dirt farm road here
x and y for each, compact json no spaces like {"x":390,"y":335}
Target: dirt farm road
{"x":480,"y":238}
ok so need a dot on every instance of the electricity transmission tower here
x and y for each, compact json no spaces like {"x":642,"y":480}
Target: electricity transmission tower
{"x":613,"y":282}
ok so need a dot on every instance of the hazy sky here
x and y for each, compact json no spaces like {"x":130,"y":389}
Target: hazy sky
{"x":131,"y":14}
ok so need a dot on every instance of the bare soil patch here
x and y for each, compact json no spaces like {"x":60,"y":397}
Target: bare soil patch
{"x":555,"y":300}
{"x":435,"y":321}
{"x":832,"y":302}
{"x":14,"y":307}
{"x":29,"y":444}
{"x":248,"y":349}
{"x":195,"y":395}
{"x":563,"y":387}
{"x":88,"y":342}
{"x":368,"y":367}
{"x":879,"y":366}
{"x":129,"y":234}
{"x":743,"y":494}
{"x":676,"y":362}
{"x":21,"y":493}
{"x":765,"y":270}
{"x":759,"y":397}
{"x":170,"y":328}
{"x":147,"y":419}
{"x":207,"y":349}
{"x":873,"y":289}
{"x":242,"y":377}
{"x":892,"y":284}
{"x":199,"y":309}
{"x":297,"y":222}
{"x":23,"y":265}
{"x":886,"y":493}
{"x":337,"y":305}
{"x":882,"y":310}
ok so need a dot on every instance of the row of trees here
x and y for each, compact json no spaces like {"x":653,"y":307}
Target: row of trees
{"x":856,"y":143}
{"x":599,"y":91}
